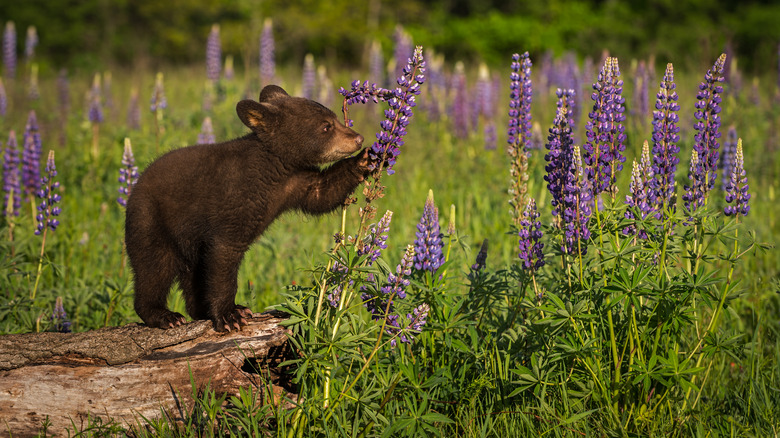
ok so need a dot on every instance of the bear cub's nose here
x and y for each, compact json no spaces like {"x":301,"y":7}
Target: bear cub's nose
{"x":359,"y":140}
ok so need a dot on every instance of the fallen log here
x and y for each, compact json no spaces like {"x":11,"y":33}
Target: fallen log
{"x":127,"y":372}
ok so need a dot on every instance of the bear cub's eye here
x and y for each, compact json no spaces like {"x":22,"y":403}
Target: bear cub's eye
{"x":327,"y":126}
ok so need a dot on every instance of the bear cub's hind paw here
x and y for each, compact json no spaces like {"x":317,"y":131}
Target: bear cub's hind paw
{"x":235,"y":319}
{"x":167,"y":320}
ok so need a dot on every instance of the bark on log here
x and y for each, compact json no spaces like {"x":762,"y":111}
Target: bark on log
{"x":127,"y":372}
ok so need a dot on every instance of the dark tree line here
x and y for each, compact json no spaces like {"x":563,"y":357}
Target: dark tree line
{"x":77,"y":33}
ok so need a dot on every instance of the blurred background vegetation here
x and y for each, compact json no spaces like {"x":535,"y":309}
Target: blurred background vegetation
{"x":88,"y":34}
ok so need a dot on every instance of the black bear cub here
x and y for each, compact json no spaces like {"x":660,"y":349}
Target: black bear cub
{"x":195,"y":211}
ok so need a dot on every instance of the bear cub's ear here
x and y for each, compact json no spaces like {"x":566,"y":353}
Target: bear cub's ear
{"x":272,"y":92}
{"x":255,"y":115}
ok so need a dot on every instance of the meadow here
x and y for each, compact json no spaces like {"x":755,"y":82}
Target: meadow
{"x":667,"y":330}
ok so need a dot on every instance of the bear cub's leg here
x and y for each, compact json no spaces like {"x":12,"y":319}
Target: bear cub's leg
{"x":218,"y":272}
{"x":153,"y":280}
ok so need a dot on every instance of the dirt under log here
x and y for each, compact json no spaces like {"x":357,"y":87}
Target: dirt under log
{"x":127,"y":372}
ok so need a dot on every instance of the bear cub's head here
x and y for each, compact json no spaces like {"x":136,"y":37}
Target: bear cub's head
{"x":298,"y":129}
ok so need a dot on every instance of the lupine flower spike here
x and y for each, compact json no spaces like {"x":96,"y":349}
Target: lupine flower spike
{"x":213,"y":54}
{"x":12,"y":181}
{"x":727,"y":159}
{"x":530,"y":235}
{"x":59,"y":319}
{"x":9,"y":49}
{"x":267,"y":61}
{"x":737,"y":195}
{"x":206,"y":135}
{"x":707,"y":124}
{"x":31,"y":155}
{"x":694,"y":191}
{"x":519,"y":131}
{"x":665,"y":149}
{"x":48,"y":210}
{"x":30,"y":42}
{"x":604,"y":147}
{"x":158,"y":104}
{"x":128,"y":174}
{"x":566,"y":183}
{"x":428,"y":246}
{"x":95,"y":114}
{"x":308,"y":88}
{"x":3,"y":99}
{"x":640,"y":195}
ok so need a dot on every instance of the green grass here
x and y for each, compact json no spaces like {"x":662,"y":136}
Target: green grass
{"x":469,"y":386}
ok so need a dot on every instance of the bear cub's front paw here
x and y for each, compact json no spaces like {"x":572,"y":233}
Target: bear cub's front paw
{"x":362,"y":164}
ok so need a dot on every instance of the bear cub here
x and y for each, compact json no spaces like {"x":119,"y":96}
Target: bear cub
{"x":195,"y":211}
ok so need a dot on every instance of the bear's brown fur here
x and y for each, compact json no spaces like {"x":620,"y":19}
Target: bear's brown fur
{"x":195,"y":211}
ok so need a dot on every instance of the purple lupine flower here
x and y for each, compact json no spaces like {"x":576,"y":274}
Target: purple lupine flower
{"x":665,"y":138}
{"x":324,"y":87}
{"x":376,"y":64}
{"x":567,"y":99}
{"x":384,"y":151}
{"x":428,"y":245}
{"x":134,"y":111}
{"x":9,"y":49}
{"x":486,"y":106}
{"x":401,"y":101}
{"x":727,"y":159}
{"x":30,"y":42}
{"x":708,"y":122}
{"x":267,"y":47}
{"x":603,"y":157}
{"x":158,"y":100}
{"x":567,"y":184}
{"x":206,"y":135}
{"x":48,"y":209}
{"x":530,"y":248}
{"x":341,"y":270}
{"x":3,"y":99}
{"x":641,"y":79}
{"x":31,"y":155}
{"x":59,"y":319}
{"x":12,"y":181}
{"x":403,"y":47}
{"x":577,"y":211}
{"x":128,"y":174}
{"x":520,"y":96}
{"x":382,"y":306}
{"x":640,"y":195}
{"x":376,"y":240}
{"x":460,"y":111}
{"x":95,"y":103}
{"x":519,"y":132}
{"x":694,"y":195}
{"x":213,"y":54}
{"x":362,"y":93}
{"x":737,"y":187}
{"x":309,"y":77}
{"x":481,"y":260}
{"x":416,"y":322}
{"x":437,"y":90}
{"x":559,"y":159}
